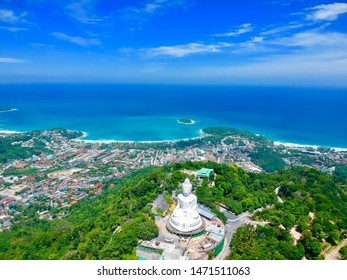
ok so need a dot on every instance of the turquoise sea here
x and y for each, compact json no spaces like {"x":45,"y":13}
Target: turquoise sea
{"x":150,"y":112}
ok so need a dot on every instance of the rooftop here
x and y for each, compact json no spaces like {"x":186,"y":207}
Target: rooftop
{"x":206,"y":213}
{"x":204,"y":172}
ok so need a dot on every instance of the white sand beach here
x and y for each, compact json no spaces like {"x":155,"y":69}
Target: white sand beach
{"x":9,"y":110}
{"x":85,"y":134}
{"x":9,"y":132}
{"x":294,"y":145}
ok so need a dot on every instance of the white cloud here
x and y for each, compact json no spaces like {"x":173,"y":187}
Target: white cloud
{"x":82,"y":10}
{"x":11,"y":60}
{"x":313,"y":38}
{"x":244,"y":28}
{"x":299,"y":68}
{"x":328,"y":12}
{"x":282,"y":29}
{"x":185,"y":50}
{"x":257,"y":39}
{"x":13,"y":29}
{"x":9,"y":16}
{"x":141,"y":13}
{"x":76,"y":40}
{"x":40,"y":45}
{"x":153,"y":6}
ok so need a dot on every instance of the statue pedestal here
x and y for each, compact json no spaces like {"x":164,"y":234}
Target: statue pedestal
{"x":185,"y":233}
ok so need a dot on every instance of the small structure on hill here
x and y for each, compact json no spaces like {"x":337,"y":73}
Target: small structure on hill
{"x":206,"y":213}
{"x":204,"y":173}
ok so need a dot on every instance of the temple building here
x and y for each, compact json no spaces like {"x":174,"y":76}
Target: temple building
{"x":185,"y":219}
{"x":204,"y":173}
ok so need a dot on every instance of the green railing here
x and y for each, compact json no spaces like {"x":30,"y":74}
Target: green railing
{"x":219,"y":248}
{"x":153,"y":250}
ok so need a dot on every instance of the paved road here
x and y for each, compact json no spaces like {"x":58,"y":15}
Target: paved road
{"x":159,"y":203}
{"x":280,"y":200}
{"x":333,"y":254}
{"x":233,"y":222}
{"x":164,"y":233}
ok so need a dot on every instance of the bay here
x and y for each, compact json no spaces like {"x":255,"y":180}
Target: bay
{"x":315,"y":116}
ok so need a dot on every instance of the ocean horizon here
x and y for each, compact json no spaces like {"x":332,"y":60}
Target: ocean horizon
{"x":306,"y":116}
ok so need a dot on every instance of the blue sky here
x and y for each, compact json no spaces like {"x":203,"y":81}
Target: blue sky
{"x":267,"y":42}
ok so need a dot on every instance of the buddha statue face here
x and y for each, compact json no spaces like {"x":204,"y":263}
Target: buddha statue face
{"x":186,"y":187}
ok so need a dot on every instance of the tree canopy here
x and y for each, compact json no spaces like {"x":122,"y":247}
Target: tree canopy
{"x":109,"y":226}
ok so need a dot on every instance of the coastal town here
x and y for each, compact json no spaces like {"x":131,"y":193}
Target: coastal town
{"x":65,"y":169}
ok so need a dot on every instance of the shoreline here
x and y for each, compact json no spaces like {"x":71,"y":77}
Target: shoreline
{"x":100,"y":141}
{"x":9,"y":110}
{"x":5,"y":131}
{"x":202,"y":134}
{"x":295,"y":145}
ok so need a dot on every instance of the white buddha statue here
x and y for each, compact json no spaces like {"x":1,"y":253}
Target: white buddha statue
{"x":185,"y":217}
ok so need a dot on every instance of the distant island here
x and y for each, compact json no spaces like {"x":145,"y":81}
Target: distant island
{"x":6,"y":109}
{"x":186,"y":121}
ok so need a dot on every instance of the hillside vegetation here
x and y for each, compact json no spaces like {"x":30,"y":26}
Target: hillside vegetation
{"x":87,"y":230}
{"x":315,"y":206}
{"x":110,"y":225}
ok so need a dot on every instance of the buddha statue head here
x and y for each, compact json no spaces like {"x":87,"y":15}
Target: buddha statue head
{"x":186,"y":187}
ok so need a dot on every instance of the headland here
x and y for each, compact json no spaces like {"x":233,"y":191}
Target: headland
{"x":6,"y":110}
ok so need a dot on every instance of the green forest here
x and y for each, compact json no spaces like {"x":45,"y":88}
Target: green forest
{"x":314,"y":203}
{"x":109,"y":226}
{"x":11,"y":149}
{"x":9,"y":152}
{"x":87,"y":230}
{"x":269,"y":159}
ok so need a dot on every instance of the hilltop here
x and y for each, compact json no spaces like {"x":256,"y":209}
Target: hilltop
{"x":314,"y":204}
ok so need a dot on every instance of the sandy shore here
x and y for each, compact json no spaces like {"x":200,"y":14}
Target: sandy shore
{"x":278,"y":143}
{"x":85,"y":134}
{"x":10,"y":110}
{"x":294,"y":145}
{"x":129,"y":141}
{"x":201,"y":132}
{"x":9,"y":132}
